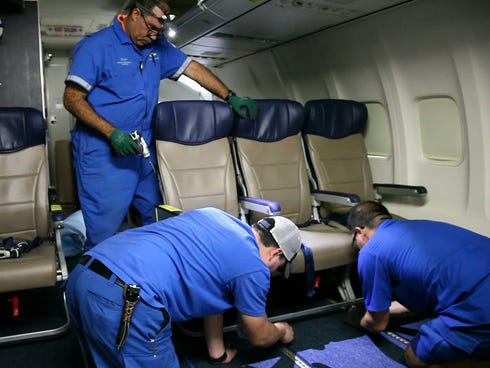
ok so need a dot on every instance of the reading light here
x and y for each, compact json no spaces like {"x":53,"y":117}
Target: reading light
{"x":171,"y":33}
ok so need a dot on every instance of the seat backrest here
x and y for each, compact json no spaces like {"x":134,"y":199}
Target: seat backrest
{"x":271,"y":158}
{"x":25,"y":215}
{"x":335,"y":147}
{"x":194,"y":155}
{"x":24,"y":177}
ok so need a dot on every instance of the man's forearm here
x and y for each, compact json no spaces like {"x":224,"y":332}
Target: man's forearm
{"x":76,"y":103}
{"x":218,"y":352}
{"x":206,"y":79}
{"x":263,"y":333}
{"x":375,"y":321}
{"x":268,"y":336}
{"x":213,"y":332}
{"x":398,"y":308}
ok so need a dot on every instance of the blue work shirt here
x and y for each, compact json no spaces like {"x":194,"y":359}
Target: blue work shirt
{"x":123,"y":80}
{"x":200,"y":263}
{"x":430,"y":267}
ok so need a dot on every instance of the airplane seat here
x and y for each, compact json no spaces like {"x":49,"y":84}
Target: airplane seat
{"x":336,"y":153}
{"x":195,"y":163}
{"x":194,"y":157}
{"x":271,"y":161}
{"x":25,"y":215}
{"x":66,"y":185}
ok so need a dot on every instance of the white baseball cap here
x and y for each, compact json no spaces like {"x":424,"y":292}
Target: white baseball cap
{"x":286,"y":235}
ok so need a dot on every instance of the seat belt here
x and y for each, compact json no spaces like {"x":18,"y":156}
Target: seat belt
{"x":309,"y":262}
{"x":309,"y":270}
{"x":11,"y":248}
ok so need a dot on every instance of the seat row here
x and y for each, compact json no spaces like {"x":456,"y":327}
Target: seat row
{"x":206,"y":157}
{"x":308,"y":163}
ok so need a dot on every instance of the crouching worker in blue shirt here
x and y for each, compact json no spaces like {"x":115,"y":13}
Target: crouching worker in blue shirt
{"x":428,"y":267}
{"x":125,"y":292}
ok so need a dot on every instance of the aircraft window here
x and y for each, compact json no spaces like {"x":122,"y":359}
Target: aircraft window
{"x":377,"y":135}
{"x":440,"y":130}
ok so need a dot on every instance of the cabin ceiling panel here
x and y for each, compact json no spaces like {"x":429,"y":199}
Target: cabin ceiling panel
{"x":212,"y":55}
{"x":233,"y":28}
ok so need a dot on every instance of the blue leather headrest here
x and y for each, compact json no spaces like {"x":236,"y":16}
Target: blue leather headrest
{"x":192,"y":122}
{"x":334,"y":118}
{"x":276,"y":120}
{"x":20,"y":128}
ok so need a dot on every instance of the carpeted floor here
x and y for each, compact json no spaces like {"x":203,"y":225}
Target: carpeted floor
{"x":313,"y":335}
{"x":310,"y":334}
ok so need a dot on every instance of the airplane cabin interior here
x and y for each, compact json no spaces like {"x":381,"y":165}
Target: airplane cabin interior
{"x":358,"y":100}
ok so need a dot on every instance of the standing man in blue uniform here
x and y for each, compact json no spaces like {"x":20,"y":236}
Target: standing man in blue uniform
{"x":433,"y":268}
{"x":112,"y":89}
{"x":198,"y":264}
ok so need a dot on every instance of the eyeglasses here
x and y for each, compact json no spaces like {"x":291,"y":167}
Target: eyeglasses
{"x":152,"y":29}
{"x":355,"y":236}
{"x":165,"y":20}
{"x":353,"y":244}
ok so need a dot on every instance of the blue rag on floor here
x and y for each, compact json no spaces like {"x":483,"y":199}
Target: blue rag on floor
{"x":352,"y":353}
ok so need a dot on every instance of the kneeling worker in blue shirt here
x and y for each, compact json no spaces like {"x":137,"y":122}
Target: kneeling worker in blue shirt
{"x":429,"y":267}
{"x":126,"y":291}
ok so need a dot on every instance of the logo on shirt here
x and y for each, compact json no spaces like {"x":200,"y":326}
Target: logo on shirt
{"x":154,"y":56}
{"x":124,"y":61}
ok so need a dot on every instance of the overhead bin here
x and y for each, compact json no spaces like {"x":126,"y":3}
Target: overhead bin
{"x":209,"y":15}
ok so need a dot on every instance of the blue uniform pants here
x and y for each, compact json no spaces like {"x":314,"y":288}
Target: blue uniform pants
{"x":108,"y":185}
{"x":95,"y":305}
{"x":435,"y":342}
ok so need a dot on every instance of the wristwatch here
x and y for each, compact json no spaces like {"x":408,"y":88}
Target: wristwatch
{"x":219,"y":360}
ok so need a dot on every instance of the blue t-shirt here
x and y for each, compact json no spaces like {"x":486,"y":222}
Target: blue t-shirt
{"x":123,"y":80}
{"x":200,"y":263}
{"x":430,"y":267}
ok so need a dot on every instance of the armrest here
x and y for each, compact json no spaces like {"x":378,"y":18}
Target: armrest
{"x":342,"y":198}
{"x":400,"y":190}
{"x":58,"y":218}
{"x":266,"y":206}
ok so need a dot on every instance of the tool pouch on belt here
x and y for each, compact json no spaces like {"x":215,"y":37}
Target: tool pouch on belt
{"x":131,"y":297}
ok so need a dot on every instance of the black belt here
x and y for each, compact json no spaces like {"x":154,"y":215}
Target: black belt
{"x":101,"y":269}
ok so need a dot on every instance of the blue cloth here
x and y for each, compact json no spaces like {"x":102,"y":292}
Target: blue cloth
{"x":73,"y":234}
{"x":122,"y":82}
{"x":433,"y":268}
{"x":351,"y":353}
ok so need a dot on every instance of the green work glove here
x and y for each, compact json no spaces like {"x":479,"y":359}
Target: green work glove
{"x":123,"y":144}
{"x":237,"y":103}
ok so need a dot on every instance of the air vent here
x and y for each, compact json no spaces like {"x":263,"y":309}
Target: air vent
{"x":228,"y":36}
{"x":205,"y":57}
{"x":336,"y":7}
{"x":210,"y":53}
